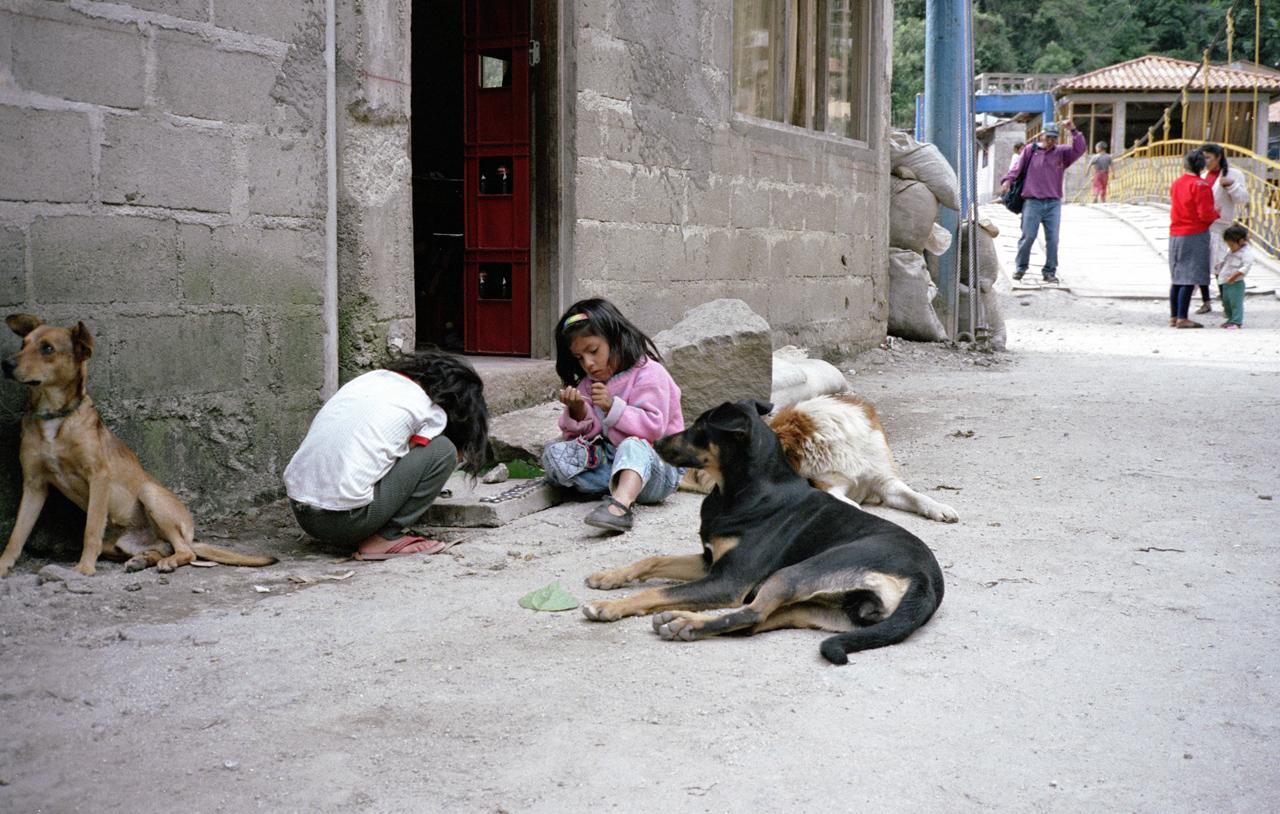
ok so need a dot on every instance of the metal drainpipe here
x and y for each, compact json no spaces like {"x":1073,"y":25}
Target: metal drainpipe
{"x":330,"y":292}
{"x":944,"y":94}
{"x":977,"y":319}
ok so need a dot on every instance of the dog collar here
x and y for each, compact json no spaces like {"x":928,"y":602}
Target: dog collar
{"x":63,"y":413}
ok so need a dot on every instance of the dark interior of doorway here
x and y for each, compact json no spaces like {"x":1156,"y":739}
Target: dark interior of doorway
{"x":436,"y":139}
{"x":1142,"y":116}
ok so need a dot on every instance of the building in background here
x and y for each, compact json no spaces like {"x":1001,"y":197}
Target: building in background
{"x":245,"y":207}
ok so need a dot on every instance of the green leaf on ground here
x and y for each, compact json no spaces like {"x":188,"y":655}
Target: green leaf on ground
{"x":549,"y":598}
{"x":524,"y":470}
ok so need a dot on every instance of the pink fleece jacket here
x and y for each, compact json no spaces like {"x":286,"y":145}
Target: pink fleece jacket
{"x":646,"y":404}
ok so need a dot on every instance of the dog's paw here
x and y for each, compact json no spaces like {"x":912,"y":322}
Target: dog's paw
{"x":602,"y":611}
{"x":676,"y":626}
{"x":86,"y":568}
{"x":137,"y":563}
{"x":606,"y":580}
{"x":944,"y":514}
{"x":4,"y":569}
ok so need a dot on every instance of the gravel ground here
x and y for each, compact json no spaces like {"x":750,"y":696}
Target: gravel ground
{"x":1107,"y":642}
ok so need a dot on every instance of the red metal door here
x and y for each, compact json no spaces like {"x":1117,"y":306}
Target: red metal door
{"x":496,"y":184}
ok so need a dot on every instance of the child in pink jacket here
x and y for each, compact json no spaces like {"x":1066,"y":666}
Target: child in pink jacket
{"x":618,"y":399}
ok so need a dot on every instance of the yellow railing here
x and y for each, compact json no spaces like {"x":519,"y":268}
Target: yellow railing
{"x":1144,"y":174}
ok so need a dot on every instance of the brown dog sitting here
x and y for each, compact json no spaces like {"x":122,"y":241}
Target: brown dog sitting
{"x":65,"y":445}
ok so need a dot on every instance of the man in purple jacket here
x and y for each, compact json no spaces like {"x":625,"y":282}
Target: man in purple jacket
{"x":1042,"y":191}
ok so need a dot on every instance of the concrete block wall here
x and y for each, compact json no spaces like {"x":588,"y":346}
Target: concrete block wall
{"x":162,"y":179}
{"x":375,"y":202}
{"x":679,"y":201}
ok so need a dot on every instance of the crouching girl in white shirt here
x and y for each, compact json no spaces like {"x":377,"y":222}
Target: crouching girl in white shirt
{"x":380,"y":450}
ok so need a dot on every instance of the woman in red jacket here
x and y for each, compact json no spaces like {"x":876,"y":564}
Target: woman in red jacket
{"x":1191,"y":213}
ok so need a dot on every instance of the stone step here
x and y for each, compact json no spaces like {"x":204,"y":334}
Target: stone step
{"x":513,"y":384}
{"x":473,"y":504}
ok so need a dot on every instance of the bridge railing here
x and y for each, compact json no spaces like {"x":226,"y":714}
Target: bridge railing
{"x":1143,"y":176}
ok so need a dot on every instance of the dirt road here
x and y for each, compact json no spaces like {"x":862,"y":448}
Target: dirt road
{"x":1107,"y":641}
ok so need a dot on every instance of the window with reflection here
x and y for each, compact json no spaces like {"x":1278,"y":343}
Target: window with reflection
{"x":804,"y":63}
{"x":495,"y":69}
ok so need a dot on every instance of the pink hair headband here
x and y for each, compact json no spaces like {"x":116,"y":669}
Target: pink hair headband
{"x":569,"y":320}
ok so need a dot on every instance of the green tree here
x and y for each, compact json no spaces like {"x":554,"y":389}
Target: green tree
{"x":908,"y":69}
{"x":993,"y":52}
{"x":1054,"y":59}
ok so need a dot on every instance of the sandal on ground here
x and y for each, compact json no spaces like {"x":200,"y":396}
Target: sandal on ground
{"x":600,"y":517}
{"x":1173,"y":322}
{"x":406,"y":546}
{"x":1188,"y":323}
{"x":1204,"y":309}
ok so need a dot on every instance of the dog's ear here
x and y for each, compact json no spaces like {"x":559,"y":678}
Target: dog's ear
{"x":728,"y":417}
{"x":81,"y":342}
{"x":23,"y":324}
{"x":762,"y":407}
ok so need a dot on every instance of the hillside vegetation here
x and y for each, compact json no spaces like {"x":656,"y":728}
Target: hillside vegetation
{"x":1076,"y":36}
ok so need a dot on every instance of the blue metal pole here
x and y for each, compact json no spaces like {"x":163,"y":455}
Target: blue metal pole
{"x":946,"y":85}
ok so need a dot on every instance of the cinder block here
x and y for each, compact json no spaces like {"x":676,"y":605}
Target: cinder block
{"x":750,"y":205}
{"x":247,"y":265}
{"x":154,"y":163}
{"x":591,"y":245}
{"x":80,"y":59}
{"x":474,"y":505}
{"x":84,"y":259}
{"x":660,"y":196}
{"x":821,"y":207}
{"x":605,"y":192}
{"x":708,"y":200}
{"x":296,"y":360}
{"x":176,"y":355}
{"x":722,"y":263}
{"x":286,"y":22}
{"x":691,"y":258}
{"x":749,"y":253}
{"x":786,"y":209}
{"x":643,"y":253}
{"x":286,"y":177}
{"x":13,"y":267}
{"x":186,"y":9}
{"x":195,"y":79}
{"x":46,"y":155}
{"x":604,"y":64}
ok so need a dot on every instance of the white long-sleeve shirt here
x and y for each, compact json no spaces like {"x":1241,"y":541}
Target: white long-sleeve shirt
{"x":357,"y":437}
{"x":1238,"y":262}
{"x":1227,"y":198}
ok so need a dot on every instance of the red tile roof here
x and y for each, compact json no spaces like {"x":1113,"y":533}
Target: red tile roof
{"x":1159,"y":73}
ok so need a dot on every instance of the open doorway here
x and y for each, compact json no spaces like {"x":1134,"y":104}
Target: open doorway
{"x":437,"y":154}
{"x":472,"y":179}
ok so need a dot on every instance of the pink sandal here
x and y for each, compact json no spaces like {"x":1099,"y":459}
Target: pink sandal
{"x":404,"y":547}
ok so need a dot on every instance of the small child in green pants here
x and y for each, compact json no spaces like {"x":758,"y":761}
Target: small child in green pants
{"x":1231,"y":271}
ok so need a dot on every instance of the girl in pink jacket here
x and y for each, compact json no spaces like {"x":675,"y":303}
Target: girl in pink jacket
{"x":618,"y":399}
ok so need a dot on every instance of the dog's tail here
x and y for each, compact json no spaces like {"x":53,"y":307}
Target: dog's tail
{"x":917,"y":605}
{"x":225,"y":556}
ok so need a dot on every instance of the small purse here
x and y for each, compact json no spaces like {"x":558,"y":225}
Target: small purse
{"x":572,"y":457}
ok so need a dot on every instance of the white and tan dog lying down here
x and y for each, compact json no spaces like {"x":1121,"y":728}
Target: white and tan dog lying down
{"x":836,"y":441}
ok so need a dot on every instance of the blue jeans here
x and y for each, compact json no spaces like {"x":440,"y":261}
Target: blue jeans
{"x":1035,"y":213}
{"x":660,"y":478}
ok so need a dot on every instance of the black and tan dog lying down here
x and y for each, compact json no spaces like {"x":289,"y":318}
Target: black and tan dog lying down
{"x":776,"y":551}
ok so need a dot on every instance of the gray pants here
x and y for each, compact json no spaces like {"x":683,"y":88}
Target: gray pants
{"x":399,"y":499}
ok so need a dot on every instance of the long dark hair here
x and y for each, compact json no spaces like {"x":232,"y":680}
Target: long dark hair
{"x":458,"y":389}
{"x":1216,"y":149}
{"x":598,"y":317}
{"x":1193,"y":161}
